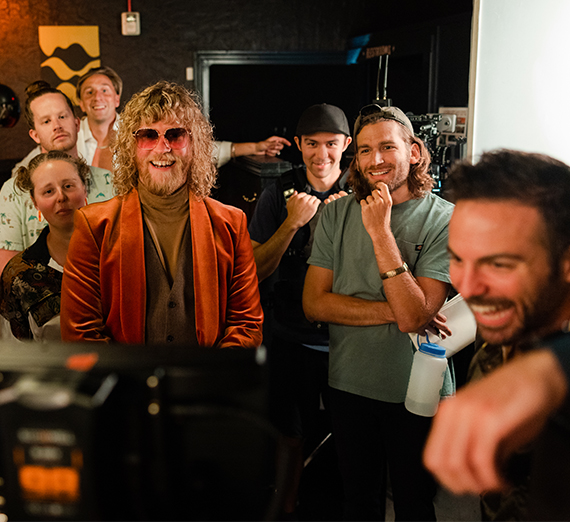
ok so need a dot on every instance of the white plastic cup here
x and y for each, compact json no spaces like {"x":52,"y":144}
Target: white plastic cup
{"x":426,"y":380}
{"x":461,"y":322}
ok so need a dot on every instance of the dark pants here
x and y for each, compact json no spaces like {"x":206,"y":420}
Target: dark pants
{"x":298,"y":378}
{"x":370,"y":436}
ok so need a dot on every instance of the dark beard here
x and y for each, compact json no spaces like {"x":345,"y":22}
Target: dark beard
{"x":548,"y":301}
{"x":537,"y":316}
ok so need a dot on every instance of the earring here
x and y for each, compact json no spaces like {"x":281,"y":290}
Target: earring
{"x":39,"y":216}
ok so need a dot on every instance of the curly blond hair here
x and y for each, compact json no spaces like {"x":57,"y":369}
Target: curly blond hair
{"x":164,"y":101}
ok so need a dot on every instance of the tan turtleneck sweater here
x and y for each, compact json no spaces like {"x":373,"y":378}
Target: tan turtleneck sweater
{"x":166,"y":218}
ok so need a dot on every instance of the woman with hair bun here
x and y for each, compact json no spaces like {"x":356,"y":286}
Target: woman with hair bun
{"x":31,"y":281}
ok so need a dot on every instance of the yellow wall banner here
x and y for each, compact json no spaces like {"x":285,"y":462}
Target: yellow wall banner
{"x":68,"y":52}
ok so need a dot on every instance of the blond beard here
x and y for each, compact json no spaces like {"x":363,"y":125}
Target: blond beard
{"x":165,"y":187}
{"x":167,"y":183}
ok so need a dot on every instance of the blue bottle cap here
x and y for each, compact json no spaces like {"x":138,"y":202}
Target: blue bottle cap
{"x":431,"y":348}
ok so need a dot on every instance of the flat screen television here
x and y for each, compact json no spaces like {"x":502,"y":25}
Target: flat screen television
{"x":120,"y":432}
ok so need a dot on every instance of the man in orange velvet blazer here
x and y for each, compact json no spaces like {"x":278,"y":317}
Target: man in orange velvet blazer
{"x":162,"y":262}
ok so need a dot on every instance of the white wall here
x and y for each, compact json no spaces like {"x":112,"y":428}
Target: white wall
{"x":520,"y":77}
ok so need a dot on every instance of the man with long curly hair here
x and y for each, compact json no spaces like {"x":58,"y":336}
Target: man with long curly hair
{"x":162,"y":262}
{"x":379,"y":269}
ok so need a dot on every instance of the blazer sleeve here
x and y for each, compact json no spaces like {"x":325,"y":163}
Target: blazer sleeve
{"x":244,"y":315}
{"x":81,"y":306}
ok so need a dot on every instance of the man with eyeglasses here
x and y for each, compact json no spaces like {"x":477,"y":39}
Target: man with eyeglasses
{"x":379,"y":269}
{"x":98,"y":93}
{"x":162,"y":263}
{"x":53,"y":126}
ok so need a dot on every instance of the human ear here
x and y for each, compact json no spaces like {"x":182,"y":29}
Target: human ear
{"x":415,"y":154}
{"x":298,"y":142}
{"x":34,"y":135}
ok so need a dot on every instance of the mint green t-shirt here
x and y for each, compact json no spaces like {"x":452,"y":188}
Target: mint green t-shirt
{"x":375,"y":361}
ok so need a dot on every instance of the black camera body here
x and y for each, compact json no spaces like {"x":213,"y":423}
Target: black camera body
{"x":429,"y":128}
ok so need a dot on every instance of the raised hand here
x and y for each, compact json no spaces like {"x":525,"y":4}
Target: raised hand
{"x":271,"y":146}
{"x":376,"y":210}
{"x":301,"y":207}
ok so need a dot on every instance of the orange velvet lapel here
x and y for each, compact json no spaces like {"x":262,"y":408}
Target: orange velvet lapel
{"x":132,"y":270}
{"x":206,"y":291}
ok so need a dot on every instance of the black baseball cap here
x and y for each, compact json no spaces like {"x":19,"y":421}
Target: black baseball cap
{"x":323,"y":118}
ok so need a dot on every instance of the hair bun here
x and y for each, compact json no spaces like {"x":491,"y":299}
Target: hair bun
{"x":37,"y":86}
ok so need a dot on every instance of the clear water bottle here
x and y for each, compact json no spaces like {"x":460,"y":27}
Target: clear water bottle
{"x":426,"y":379}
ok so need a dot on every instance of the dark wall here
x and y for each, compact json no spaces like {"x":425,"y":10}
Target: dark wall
{"x":172,"y":30}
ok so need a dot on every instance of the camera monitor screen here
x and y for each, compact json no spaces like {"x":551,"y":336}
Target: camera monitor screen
{"x":119,"y":432}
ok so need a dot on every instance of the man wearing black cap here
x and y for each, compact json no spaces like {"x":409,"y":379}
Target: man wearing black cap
{"x":378,"y":269}
{"x":281,"y":231}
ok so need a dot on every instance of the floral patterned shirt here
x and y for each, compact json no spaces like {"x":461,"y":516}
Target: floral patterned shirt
{"x":20,"y":221}
{"x":30,"y":286}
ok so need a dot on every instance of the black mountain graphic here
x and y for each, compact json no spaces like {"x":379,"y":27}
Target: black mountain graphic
{"x":54,"y":80}
{"x":74,"y":56}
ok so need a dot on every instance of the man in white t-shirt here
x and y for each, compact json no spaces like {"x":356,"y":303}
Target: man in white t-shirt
{"x":99,"y":94}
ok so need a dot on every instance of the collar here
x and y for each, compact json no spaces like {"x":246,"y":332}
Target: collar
{"x":38,"y":251}
{"x":84,"y":126}
{"x":174,"y":205}
{"x":339,"y":184}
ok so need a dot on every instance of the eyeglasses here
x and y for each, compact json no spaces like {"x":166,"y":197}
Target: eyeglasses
{"x":147,"y":139}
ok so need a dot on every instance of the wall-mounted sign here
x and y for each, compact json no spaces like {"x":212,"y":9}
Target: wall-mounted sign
{"x":69,"y":51}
